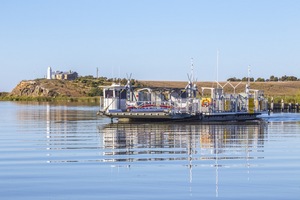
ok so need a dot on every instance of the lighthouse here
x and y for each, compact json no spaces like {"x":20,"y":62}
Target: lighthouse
{"x":49,"y":73}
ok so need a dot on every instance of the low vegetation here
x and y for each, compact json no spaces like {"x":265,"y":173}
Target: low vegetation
{"x":271,"y":79}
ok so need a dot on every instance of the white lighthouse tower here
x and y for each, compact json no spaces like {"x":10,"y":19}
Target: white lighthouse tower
{"x":49,"y":73}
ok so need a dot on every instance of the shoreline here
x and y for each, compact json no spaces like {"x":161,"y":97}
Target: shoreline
{"x":95,"y":100}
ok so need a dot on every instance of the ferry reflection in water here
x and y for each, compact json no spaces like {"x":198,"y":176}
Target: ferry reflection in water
{"x":190,"y":145}
{"x":194,"y":142}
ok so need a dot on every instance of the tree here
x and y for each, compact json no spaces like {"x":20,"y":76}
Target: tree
{"x":273,"y":78}
{"x":284,"y":78}
{"x":260,"y":80}
{"x":288,"y":78}
{"x":246,"y":79}
{"x":233,"y":79}
{"x":292,"y":78}
{"x":95,"y":91}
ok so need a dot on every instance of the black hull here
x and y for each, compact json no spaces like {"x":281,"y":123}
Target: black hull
{"x":200,"y":117}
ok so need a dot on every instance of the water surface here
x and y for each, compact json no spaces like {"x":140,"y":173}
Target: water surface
{"x":68,"y":152}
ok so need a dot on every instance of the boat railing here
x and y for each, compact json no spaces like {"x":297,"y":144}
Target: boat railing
{"x":232,"y":104}
{"x":149,"y":104}
{"x":188,"y":105}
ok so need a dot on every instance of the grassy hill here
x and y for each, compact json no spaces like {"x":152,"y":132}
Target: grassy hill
{"x":83,"y":89}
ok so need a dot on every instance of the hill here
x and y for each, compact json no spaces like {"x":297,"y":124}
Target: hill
{"x":83,"y":89}
{"x":50,"y":88}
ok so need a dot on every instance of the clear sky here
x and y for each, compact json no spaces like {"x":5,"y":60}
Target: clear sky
{"x":153,"y":39}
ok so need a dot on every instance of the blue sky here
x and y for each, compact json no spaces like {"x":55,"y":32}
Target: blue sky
{"x":153,"y":40}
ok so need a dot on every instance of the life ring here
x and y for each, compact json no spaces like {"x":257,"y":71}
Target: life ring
{"x":205,"y":102}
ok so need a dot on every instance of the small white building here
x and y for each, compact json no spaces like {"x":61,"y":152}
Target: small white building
{"x":49,"y":73}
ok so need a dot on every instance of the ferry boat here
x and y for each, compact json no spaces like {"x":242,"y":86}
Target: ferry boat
{"x":181,"y":104}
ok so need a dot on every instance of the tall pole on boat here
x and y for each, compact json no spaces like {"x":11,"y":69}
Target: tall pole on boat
{"x":248,"y":84}
{"x":249,"y":71}
{"x":192,"y":70}
{"x":217,"y":68}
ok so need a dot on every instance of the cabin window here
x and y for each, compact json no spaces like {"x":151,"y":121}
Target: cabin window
{"x":109,"y":93}
{"x":183,"y":94}
{"x":123,"y":94}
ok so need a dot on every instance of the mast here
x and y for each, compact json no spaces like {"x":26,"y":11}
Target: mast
{"x":192,"y":70}
{"x":217,"y":68}
{"x":249,"y":71}
{"x":248,"y":83}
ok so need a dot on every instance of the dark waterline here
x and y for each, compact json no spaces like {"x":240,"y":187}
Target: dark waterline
{"x":68,"y":152}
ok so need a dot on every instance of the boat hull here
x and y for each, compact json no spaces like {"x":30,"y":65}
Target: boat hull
{"x":221,"y":117}
{"x":166,"y":116}
{"x":147,"y":115}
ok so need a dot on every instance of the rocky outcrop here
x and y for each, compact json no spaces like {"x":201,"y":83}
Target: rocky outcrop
{"x":50,"y":88}
{"x":34,"y":89}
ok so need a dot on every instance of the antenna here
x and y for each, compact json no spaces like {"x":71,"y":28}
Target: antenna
{"x":129,"y":88}
{"x":192,"y":84}
{"x":249,"y":71}
{"x":119,"y":76}
{"x":217,"y":66}
{"x":248,"y":84}
{"x":192,"y":70}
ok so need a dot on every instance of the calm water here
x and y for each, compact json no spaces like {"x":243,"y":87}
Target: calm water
{"x":67,"y":152}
